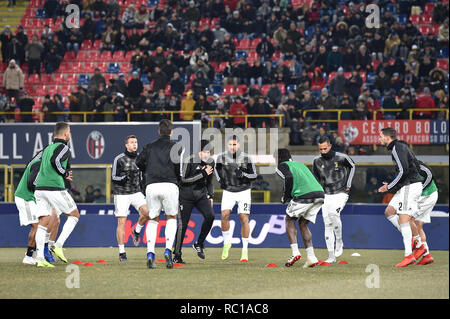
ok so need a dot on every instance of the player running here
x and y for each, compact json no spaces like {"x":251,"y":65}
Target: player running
{"x":407,"y":186}
{"x":305,"y":196}
{"x":427,"y":200}
{"x":161,"y":167}
{"x":51,"y":193}
{"x":235,"y":171}
{"x":335,"y":172}
{"x":26,"y":205}
{"x":126,"y":178}
{"x":196,"y":190}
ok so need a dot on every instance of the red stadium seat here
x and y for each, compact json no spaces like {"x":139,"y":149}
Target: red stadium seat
{"x":331,"y":76}
{"x":428,"y":9}
{"x":442,"y":64}
{"x":102,"y":66}
{"x":64,"y":67}
{"x":427,"y":19}
{"x":125,"y":67}
{"x":83,"y":56}
{"x":222,"y":66}
{"x":59,"y":79}
{"x":96,"y":45}
{"x":95,"y":56}
{"x":276,"y":55}
{"x":33,"y":79}
{"x":415,"y":19}
{"x":228,"y":90}
{"x":168,"y":90}
{"x":241,"y":89}
{"x":375,"y":64}
{"x":435,"y":29}
{"x":252,"y":56}
{"x":46,"y":79}
{"x":69,"y":56}
{"x":282,"y":88}
{"x":265,"y":88}
{"x":41,"y":91}
{"x":244,"y":44}
{"x":77,"y":67}
{"x":86,"y":45}
{"x":363,"y":76}
{"x":118,"y":56}
{"x":88,"y":67}
{"x":425,"y":29}
{"x":255,"y":43}
{"x":71,"y":79}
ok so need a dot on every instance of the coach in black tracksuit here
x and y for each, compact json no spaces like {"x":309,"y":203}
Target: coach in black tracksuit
{"x":196,"y":190}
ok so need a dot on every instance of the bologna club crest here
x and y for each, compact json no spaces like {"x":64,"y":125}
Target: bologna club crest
{"x":95,"y":144}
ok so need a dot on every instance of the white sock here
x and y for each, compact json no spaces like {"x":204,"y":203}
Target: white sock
{"x":121,"y":249}
{"x":329,"y":240}
{"x":244,"y":243}
{"x":170,"y":232}
{"x":427,"y":252}
{"x":40,"y":241}
{"x":310,"y":252}
{"x":419,"y":241}
{"x":295,"y":251}
{"x":405,"y":229}
{"x":138,"y":228}
{"x":150,"y":232}
{"x":51,"y":243}
{"x":394,"y":220}
{"x":226,"y":237}
{"x":47,"y":237}
{"x":337,"y":227}
{"x":69,"y":225}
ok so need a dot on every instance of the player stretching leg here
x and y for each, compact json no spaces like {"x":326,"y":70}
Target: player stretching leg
{"x":334,"y":171}
{"x":162,"y":170}
{"x":407,"y":187}
{"x":126,"y":178}
{"x":305,"y":196}
{"x":51,"y":193}
{"x":235,"y":171}
{"x":427,"y":200}
{"x":196,"y":190}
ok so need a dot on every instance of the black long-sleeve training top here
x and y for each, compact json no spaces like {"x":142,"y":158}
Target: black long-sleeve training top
{"x":235,"y":172}
{"x":195,"y":182}
{"x":125,"y":174}
{"x":160,"y":161}
{"x":334,"y":171}
{"x":406,"y":166}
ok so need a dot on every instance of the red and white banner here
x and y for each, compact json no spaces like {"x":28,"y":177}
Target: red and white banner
{"x":368,"y":132}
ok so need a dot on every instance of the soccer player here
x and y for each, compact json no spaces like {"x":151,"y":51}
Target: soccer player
{"x":196,"y":190}
{"x":427,"y":200}
{"x":335,"y":172}
{"x":234,"y":171}
{"x":162,"y":170}
{"x":126,"y":178}
{"x":407,"y":186}
{"x":26,"y":205}
{"x":51,"y":193}
{"x":305,"y":196}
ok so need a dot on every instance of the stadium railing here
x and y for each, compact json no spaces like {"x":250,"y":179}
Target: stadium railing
{"x":170,"y":113}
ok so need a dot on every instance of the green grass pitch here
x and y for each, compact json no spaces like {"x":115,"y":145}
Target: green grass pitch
{"x":213,"y":278}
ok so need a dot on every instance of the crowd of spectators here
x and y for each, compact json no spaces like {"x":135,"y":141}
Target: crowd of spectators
{"x":181,"y":44}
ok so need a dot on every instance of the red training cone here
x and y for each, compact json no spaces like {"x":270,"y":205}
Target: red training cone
{"x":160,"y":260}
{"x":77,"y":262}
{"x":102,"y":261}
{"x":342,"y":262}
{"x":271,"y":265}
{"x":88,"y":264}
{"x":178,"y":265}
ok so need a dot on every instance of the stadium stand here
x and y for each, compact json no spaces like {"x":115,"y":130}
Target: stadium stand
{"x":168,"y":42}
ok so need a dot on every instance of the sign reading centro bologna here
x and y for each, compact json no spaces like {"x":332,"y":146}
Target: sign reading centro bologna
{"x":412,"y":131}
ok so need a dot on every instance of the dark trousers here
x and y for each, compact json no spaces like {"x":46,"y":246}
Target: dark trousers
{"x":205,"y":208}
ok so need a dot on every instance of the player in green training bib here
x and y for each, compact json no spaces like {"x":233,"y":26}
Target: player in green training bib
{"x":51,"y":193}
{"x":305,"y":196}
{"x":427,"y":200}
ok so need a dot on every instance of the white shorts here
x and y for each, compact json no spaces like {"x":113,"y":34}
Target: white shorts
{"x":122,"y":203}
{"x":426,"y":204}
{"x":307,"y":211}
{"x":162,"y":196}
{"x":242,"y":199}
{"x":60,"y":201}
{"x":27,"y":211}
{"x":334,"y":204}
{"x":406,"y":200}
